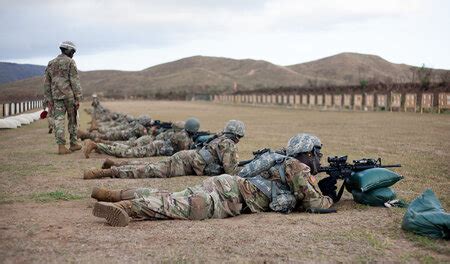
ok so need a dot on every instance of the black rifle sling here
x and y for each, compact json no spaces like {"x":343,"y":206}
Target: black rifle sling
{"x":341,"y":191}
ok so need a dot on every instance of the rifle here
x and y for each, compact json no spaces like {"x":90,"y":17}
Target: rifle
{"x":202,"y":138}
{"x":340,"y":169}
{"x":200,"y":134}
{"x":160,"y":124}
{"x":258,"y":153}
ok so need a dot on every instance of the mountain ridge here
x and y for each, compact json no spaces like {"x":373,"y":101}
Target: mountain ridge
{"x":205,"y":74}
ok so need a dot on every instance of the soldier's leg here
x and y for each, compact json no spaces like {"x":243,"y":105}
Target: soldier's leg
{"x":59,"y":117}
{"x":225,"y":193}
{"x":108,"y":163}
{"x":72,"y":117}
{"x":124,"y":151}
{"x":108,"y":195}
{"x":142,"y":141}
{"x":51,"y":121}
{"x":159,"y":169}
{"x":189,"y":204}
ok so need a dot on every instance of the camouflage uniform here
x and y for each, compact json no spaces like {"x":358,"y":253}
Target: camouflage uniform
{"x":62,"y":88}
{"x":176,"y":142}
{"x":187,"y":162}
{"x":226,"y":196}
{"x":136,"y":131}
{"x":50,"y":119}
{"x":288,"y":180}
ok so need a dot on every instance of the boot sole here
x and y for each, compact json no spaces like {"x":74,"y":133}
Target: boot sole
{"x":75,"y":149}
{"x":113,"y":215}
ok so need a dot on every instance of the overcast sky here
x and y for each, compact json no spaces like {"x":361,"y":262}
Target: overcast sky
{"x":133,"y":35}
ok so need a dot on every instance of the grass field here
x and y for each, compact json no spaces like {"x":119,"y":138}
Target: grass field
{"x":45,"y":209}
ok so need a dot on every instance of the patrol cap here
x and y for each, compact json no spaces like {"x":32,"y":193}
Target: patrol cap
{"x":68,"y":45}
{"x":302,"y":143}
{"x":235,"y":127}
{"x":192,"y":125}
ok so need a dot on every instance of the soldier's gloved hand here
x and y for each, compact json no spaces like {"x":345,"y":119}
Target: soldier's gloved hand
{"x":77,"y":105}
{"x":328,"y":187}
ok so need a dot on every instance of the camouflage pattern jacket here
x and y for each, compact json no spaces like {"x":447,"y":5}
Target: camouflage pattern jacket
{"x":301,"y":183}
{"x":180,"y":140}
{"x":224,"y":152}
{"x":61,"y":80}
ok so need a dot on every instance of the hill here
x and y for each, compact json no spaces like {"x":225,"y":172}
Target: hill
{"x":200,"y":74}
{"x":10,"y":72}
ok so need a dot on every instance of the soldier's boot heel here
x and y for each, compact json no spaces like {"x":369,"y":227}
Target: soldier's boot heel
{"x":106,"y":195}
{"x":62,"y":150}
{"x":89,"y":147}
{"x":108,"y":163}
{"x":97,"y":174}
{"x":75,"y":147}
{"x":114,"y":215}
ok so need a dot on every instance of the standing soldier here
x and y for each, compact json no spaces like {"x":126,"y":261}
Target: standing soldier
{"x":62,"y":94}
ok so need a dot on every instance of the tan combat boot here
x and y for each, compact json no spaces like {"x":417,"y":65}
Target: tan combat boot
{"x":116,"y":214}
{"x":75,"y":147}
{"x":63,"y":150}
{"x":108,"y":163}
{"x":106,"y":195}
{"x":89,"y":147}
{"x":93,"y":126}
{"x":97,"y":174}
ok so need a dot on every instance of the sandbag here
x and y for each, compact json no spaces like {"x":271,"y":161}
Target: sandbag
{"x":376,"y":197}
{"x":371,"y":179}
{"x":425,"y":216}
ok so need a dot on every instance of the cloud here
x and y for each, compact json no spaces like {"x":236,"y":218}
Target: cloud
{"x":32,"y":30}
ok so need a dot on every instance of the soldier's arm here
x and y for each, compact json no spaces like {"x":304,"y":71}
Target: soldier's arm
{"x":230,"y":157}
{"x":184,"y":142}
{"x":47,"y":88}
{"x":75,"y":81}
{"x":306,"y":192}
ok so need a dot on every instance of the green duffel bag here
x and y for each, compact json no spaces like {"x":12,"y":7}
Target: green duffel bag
{"x":376,"y":197}
{"x":371,"y":179}
{"x":425,"y":216}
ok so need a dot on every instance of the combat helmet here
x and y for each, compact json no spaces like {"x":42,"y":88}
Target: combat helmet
{"x":69,"y":45}
{"x":192,"y":125}
{"x":144,"y":120}
{"x":235,"y":127}
{"x":302,"y":143}
{"x":178,"y":125}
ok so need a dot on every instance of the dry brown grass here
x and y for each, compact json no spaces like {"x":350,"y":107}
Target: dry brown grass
{"x":43,"y":219}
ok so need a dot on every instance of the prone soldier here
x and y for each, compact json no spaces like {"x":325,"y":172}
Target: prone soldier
{"x":166,"y":143}
{"x":287,"y":185}
{"x":214,"y":158}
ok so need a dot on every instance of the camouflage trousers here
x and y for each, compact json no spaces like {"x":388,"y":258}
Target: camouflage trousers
{"x":61,"y":107}
{"x":113,"y":135}
{"x":182,"y":163}
{"x":216,"y":197}
{"x":50,"y":119}
{"x":135,"y":142}
{"x":124,"y":151}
